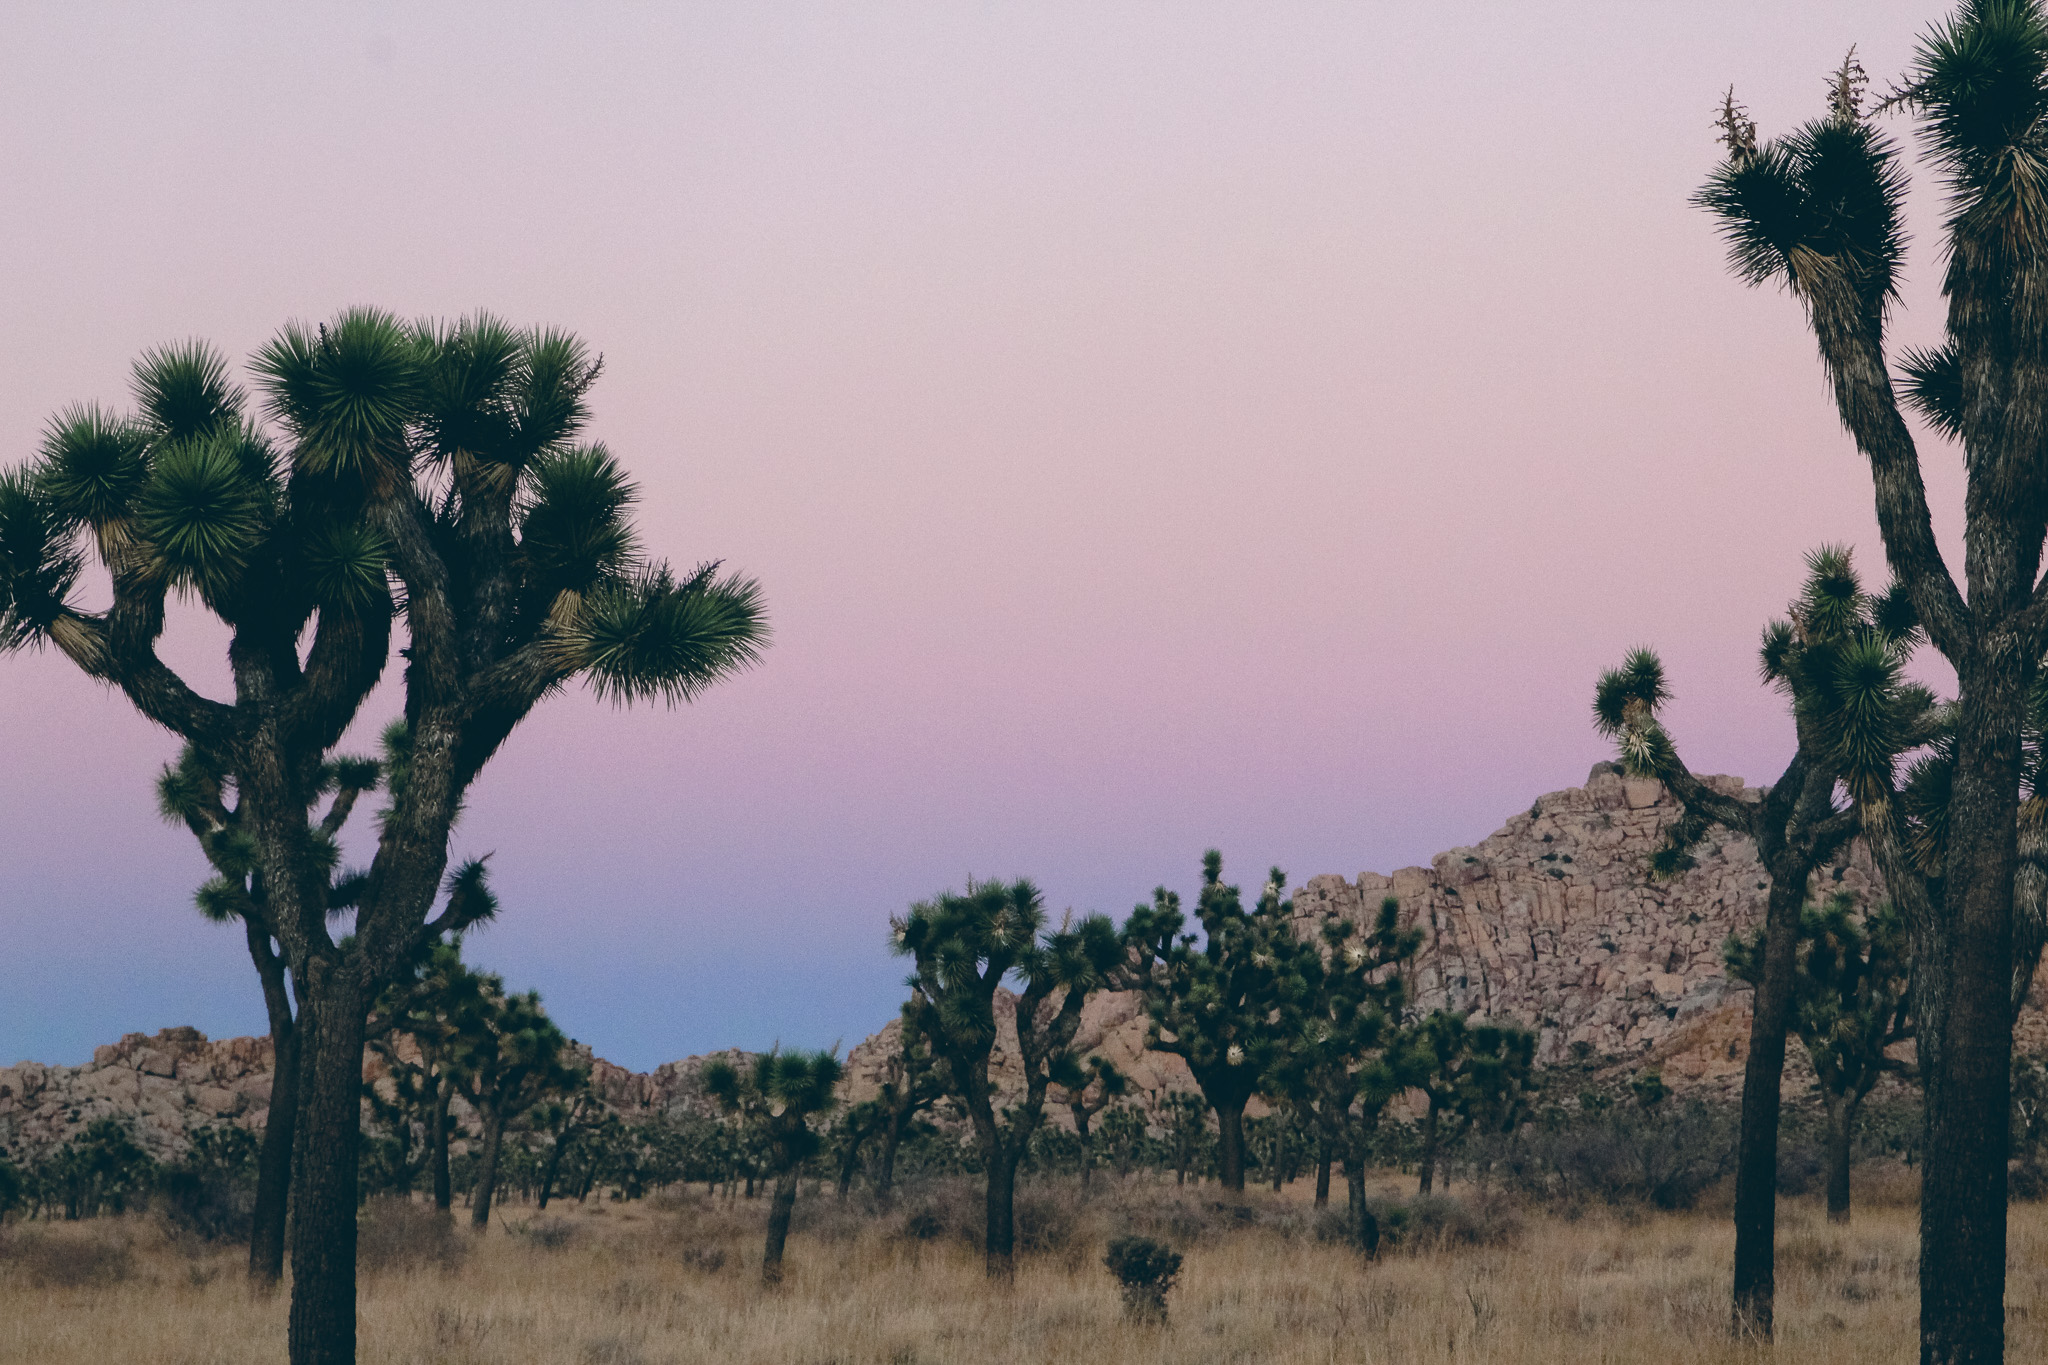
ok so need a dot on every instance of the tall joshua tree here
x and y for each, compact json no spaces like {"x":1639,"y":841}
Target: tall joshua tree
{"x":777,"y":1095}
{"x":427,"y":473}
{"x":1820,"y":212}
{"x":514,"y":1061}
{"x":964,"y":947}
{"x":1221,"y":1005}
{"x":1341,"y":1067}
{"x":201,"y":796}
{"x":1835,"y":637}
{"x":1851,"y":999}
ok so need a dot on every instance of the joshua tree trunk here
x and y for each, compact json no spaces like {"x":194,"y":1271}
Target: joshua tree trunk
{"x":1230,"y":1144}
{"x":847,"y":1162}
{"x":323,"y":1310}
{"x":1365,"y":1229}
{"x":444,"y":1184}
{"x":1087,"y":1147}
{"x":1429,"y":1136}
{"x":1841,"y":1128}
{"x":1001,"y":1242}
{"x":1963,"y":979}
{"x":274,"y":1163}
{"x":553,"y":1168}
{"x":1323,"y":1158}
{"x":892,"y":1138}
{"x":487,"y":1169}
{"x":779,"y":1212}
{"x":1763,"y":1079}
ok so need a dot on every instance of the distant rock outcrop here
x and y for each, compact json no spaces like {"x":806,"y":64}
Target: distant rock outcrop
{"x":1552,"y":921}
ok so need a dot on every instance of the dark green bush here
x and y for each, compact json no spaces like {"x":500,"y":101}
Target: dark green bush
{"x":1145,"y":1271}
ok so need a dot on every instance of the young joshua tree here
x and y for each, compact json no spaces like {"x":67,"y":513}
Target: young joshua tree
{"x":1834,"y":635}
{"x":1341,"y":1067}
{"x":1221,"y":1006}
{"x":964,"y":947}
{"x":1090,"y":1087}
{"x":424,"y":473}
{"x":1851,"y":995}
{"x":911,"y":1083}
{"x":777,"y":1095}
{"x":1474,"y":1075}
{"x":200,"y":795}
{"x":1821,"y":213}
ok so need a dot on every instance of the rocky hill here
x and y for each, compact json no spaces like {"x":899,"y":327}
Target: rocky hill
{"x":1551,"y":921}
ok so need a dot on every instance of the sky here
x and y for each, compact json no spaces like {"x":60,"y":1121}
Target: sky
{"x":1154,"y":427}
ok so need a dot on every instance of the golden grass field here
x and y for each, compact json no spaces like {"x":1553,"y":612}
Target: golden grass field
{"x":678,"y":1281}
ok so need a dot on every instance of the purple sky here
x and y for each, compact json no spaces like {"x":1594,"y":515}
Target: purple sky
{"x":1154,"y":426}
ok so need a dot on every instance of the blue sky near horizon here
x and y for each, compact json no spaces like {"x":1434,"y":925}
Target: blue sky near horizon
{"x":1153,"y":428}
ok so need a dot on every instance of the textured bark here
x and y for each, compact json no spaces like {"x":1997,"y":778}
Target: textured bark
{"x":1763,"y":1079}
{"x":1001,"y":1241}
{"x":892,"y":1138}
{"x":779,"y":1212}
{"x":1323,"y":1173}
{"x":1841,"y":1127}
{"x":274,"y":1161}
{"x":1427,"y":1162}
{"x":437,"y":1139}
{"x":274,"y":1165}
{"x":1964,"y":1037}
{"x":323,"y":1311}
{"x":487,"y":1169}
{"x":1230,"y":1143}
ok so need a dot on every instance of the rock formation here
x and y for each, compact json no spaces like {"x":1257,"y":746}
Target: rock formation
{"x":1551,"y":921}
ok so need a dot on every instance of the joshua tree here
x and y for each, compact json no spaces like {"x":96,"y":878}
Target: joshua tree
{"x":514,"y":1059}
{"x":1090,"y":1087}
{"x":911,"y":1084}
{"x":426,"y":471}
{"x":1474,"y":1075}
{"x":1821,"y":212}
{"x":440,"y":1008}
{"x":964,"y":947}
{"x":1221,"y":1006}
{"x":1850,"y":1005}
{"x":567,"y":1121}
{"x":1341,"y":1067}
{"x":1835,"y":636}
{"x":200,"y":795}
{"x":778,"y":1094}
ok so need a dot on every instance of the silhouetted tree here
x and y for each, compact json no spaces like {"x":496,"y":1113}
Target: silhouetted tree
{"x":1090,"y":1085}
{"x":1850,"y":1004}
{"x":514,"y":1059}
{"x":964,"y":947}
{"x":1221,"y":1006}
{"x":1821,"y":212}
{"x":777,"y":1095}
{"x":426,"y":470}
{"x":199,"y":794}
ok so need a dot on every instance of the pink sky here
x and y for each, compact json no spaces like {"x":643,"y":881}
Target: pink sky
{"x":1154,"y":426}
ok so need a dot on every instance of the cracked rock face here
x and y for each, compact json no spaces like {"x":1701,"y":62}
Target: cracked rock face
{"x":1552,"y":922}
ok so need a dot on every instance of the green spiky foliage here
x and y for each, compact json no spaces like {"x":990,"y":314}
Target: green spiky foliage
{"x":420,"y":1028}
{"x":1837,"y":657}
{"x":433,"y":475}
{"x":964,"y":946}
{"x":1223,"y":1003}
{"x":569,"y":1123}
{"x":1851,"y":1005}
{"x":1820,"y":212}
{"x":1090,"y":1084}
{"x":1342,"y":1066}
{"x":200,"y":794}
{"x":911,"y":1083}
{"x":777,"y":1097}
{"x":1474,"y":1075}
{"x":509,"y":1059}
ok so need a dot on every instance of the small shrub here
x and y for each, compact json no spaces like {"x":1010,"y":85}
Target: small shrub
{"x":395,"y":1234}
{"x":549,"y":1234}
{"x":63,"y":1261}
{"x":1145,"y":1271}
{"x":705,"y":1260}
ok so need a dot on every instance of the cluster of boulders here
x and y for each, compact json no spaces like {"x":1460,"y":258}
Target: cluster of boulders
{"x":1553,"y":922}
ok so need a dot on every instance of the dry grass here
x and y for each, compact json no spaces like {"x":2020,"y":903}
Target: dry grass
{"x":636,"y":1285}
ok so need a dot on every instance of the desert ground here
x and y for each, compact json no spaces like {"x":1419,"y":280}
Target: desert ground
{"x":676,"y":1279}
